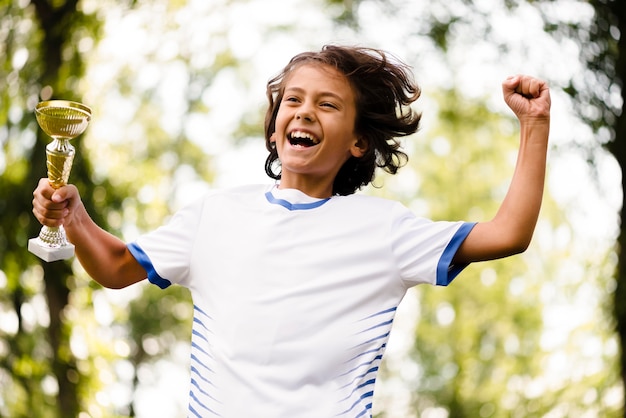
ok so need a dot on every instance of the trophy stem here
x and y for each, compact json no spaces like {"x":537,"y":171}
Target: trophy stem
{"x":59,"y":158}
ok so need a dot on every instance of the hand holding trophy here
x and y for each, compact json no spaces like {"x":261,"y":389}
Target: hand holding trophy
{"x":62,"y":120}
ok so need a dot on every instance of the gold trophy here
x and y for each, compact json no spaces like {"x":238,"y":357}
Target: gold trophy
{"x":62,"y":120}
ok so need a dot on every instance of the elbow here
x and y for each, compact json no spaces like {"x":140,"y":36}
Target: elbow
{"x":518,"y":246}
{"x":110,"y":284}
{"x":115,"y":281}
{"x":515,"y":240}
{"x":519,"y":249}
{"x":116,"y":286}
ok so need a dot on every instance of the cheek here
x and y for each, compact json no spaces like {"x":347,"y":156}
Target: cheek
{"x":279,"y":124}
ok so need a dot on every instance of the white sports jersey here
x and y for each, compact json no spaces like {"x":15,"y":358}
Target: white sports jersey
{"x":294,"y":297}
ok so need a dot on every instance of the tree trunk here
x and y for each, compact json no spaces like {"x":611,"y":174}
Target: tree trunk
{"x":63,"y":361}
{"x":618,"y":148}
{"x":55,"y":20}
{"x":619,"y":297}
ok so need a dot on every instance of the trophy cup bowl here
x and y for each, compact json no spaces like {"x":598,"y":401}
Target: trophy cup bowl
{"x":62,"y":120}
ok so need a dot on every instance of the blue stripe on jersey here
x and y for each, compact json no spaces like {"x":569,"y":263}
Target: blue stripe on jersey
{"x":197,"y":309}
{"x":381,"y":313}
{"x":196,"y":385}
{"x":202,"y":395}
{"x":359,"y":375}
{"x":143,"y":259}
{"x":294,"y":206}
{"x":204,"y":407}
{"x":194,"y":370}
{"x":373,"y":350}
{"x":369,"y":382}
{"x":366,"y":408}
{"x":366,"y":363}
{"x":382,"y":324}
{"x":200,"y":323}
{"x":446,"y":271}
{"x":384,"y":337}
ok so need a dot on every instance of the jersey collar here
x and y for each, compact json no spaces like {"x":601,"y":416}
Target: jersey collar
{"x":293,"y":199}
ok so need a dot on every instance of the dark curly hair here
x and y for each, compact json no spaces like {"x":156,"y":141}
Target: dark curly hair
{"x":383,"y":89}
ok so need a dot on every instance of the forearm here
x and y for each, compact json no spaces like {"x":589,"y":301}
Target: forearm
{"x":517,"y":216}
{"x":103,"y":256}
{"x":511,"y":230}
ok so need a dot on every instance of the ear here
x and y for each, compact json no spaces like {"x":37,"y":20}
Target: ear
{"x":273,"y":137}
{"x":359,"y":147}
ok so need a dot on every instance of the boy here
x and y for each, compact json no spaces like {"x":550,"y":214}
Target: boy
{"x":295,"y":285}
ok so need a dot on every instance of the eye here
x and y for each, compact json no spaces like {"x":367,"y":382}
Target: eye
{"x":292,"y":99}
{"x":329,"y":105}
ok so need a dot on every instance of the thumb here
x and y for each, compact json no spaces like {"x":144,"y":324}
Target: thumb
{"x":511,"y":83}
{"x":62,"y":194}
{"x":58,"y":196}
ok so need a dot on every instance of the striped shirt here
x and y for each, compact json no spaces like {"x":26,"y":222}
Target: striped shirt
{"x":294,"y":297}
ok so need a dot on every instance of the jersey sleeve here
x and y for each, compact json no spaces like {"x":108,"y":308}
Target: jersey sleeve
{"x":165,"y":253}
{"x":424,"y":249}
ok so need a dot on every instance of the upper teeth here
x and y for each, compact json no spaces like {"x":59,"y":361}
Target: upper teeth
{"x":304,"y":135}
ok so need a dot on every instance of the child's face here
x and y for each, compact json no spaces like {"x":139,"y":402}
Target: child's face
{"x":314,"y":133}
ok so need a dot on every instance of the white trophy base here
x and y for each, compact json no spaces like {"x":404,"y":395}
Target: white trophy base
{"x":48,"y":253}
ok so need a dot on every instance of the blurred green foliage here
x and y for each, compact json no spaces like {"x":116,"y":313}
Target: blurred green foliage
{"x":70,"y":348}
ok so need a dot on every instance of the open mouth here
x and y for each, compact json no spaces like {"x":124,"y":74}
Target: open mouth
{"x":302,"y":139}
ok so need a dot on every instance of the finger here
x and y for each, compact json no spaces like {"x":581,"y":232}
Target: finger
{"x":518,"y":84}
{"x":511,"y":83}
{"x":60,"y":195}
{"x":68,"y":195}
{"x":47,"y":216}
{"x":531,"y":87}
{"x":49,"y":209}
{"x":543,"y":89}
{"x":44,"y":188}
{"x":525,"y":87}
{"x":43,"y":198}
{"x":521,"y":92}
{"x":45,"y":203}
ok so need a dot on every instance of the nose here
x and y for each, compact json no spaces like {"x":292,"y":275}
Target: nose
{"x":305,"y":114}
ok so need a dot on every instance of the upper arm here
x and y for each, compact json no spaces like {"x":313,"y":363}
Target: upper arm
{"x":107,"y":260}
{"x":488,"y":241}
{"x":131,"y":271}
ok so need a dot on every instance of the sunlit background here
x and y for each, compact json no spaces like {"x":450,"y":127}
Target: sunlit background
{"x":157,"y":57}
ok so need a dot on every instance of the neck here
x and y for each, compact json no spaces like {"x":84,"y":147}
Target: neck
{"x":310,"y":186}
